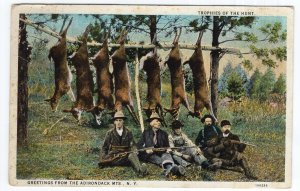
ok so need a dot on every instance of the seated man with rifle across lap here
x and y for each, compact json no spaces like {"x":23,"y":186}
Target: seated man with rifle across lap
{"x":155,"y":148}
{"x":118,"y":147}
{"x":227,"y":150}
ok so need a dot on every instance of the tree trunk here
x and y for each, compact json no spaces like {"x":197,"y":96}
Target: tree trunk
{"x":214,"y":81}
{"x":215,"y":56}
{"x":152,"y":26}
{"x":23,"y":60}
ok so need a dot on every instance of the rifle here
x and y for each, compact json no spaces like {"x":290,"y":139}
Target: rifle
{"x":240,"y":142}
{"x":120,"y":155}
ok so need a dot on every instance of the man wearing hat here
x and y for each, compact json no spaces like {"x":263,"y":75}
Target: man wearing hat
{"x":189,"y":152}
{"x":155,"y":138}
{"x":118,"y":147}
{"x":229,"y":151}
{"x":208,"y":136}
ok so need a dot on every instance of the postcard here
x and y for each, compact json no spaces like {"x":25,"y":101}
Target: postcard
{"x":151,"y":96}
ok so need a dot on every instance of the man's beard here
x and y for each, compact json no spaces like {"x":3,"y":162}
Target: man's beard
{"x":209,"y":125}
{"x":226,"y":132}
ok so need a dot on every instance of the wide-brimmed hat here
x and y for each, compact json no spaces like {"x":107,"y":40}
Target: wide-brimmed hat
{"x":176,"y":124}
{"x":225,"y":122}
{"x":207,"y":116}
{"x":119,"y":115}
{"x":154,"y":115}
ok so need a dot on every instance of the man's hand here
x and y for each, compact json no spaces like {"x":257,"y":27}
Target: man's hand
{"x":186,"y":157}
{"x":198,"y":151}
{"x":169,"y":151}
{"x":227,"y":143}
{"x":149,"y":151}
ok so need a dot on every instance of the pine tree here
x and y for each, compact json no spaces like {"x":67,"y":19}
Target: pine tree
{"x":280,"y":85}
{"x":235,"y":86}
{"x":222,"y":85}
{"x":266,"y":85}
{"x":253,"y":85}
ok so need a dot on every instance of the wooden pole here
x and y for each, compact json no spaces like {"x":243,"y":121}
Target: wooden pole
{"x":164,"y":45}
{"x":137,"y":91}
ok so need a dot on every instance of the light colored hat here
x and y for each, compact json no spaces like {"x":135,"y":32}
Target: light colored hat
{"x":119,"y":114}
{"x":154,"y":115}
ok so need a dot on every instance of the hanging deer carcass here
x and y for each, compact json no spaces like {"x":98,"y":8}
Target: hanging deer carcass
{"x":177,"y":79}
{"x":150,"y":63}
{"x":196,"y":63}
{"x":122,"y":79}
{"x":104,"y":82}
{"x":84,"y":79}
{"x":62,"y":73}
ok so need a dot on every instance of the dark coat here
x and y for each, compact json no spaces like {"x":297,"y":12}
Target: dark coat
{"x":113,"y":140}
{"x":229,"y":151}
{"x":147,"y":139}
{"x":206,"y":135}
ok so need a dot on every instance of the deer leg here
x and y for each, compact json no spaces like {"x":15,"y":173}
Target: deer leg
{"x":110,"y":103}
{"x":186,"y":103}
{"x":71,"y":95}
{"x":159,"y":110}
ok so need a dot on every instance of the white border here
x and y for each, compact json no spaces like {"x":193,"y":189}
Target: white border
{"x":4,"y":78}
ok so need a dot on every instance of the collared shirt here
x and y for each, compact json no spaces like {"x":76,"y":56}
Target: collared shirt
{"x":120,"y":131}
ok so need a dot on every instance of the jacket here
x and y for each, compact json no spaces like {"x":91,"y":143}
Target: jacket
{"x":147,"y":139}
{"x":114,"y":143}
{"x":207,"y":136}
{"x":229,"y":151}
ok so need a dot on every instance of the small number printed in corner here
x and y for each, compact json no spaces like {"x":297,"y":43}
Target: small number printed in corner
{"x":262,"y":185}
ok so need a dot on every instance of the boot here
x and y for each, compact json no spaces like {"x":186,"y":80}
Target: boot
{"x":215,"y":165}
{"x":247,"y":169}
{"x":181,"y":161}
{"x":178,"y":170}
{"x":175,"y":170}
{"x":141,"y":169}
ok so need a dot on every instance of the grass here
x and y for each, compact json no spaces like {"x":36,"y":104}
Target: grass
{"x":69,"y":150}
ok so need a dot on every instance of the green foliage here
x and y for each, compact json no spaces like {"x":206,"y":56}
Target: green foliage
{"x":235,"y":86}
{"x":246,"y":36}
{"x":247,"y":64}
{"x":280,"y":53}
{"x":259,"y":52}
{"x":233,"y":82}
{"x":280,"y":85}
{"x":273,"y":32}
{"x":222,"y":84}
{"x":188,"y":78}
{"x":263,"y":85}
{"x":254,"y":82}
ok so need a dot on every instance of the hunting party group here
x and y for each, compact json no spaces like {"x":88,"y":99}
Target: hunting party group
{"x":215,"y":147}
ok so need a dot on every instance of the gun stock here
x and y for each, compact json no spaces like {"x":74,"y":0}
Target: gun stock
{"x":240,"y":142}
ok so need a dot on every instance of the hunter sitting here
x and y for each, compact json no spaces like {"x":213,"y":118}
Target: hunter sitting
{"x":228,"y":151}
{"x":118,"y":147}
{"x":157,"y":148}
{"x":187,"y":152}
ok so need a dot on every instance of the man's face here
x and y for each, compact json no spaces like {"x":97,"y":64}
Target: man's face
{"x":119,"y":123}
{"x":155,"y":124}
{"x":177,"y":131}
{"x":208,"y":121}
{"x":226,"y":129}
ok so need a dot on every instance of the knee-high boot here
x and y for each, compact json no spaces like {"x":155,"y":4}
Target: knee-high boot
{"x":135,"y":163}
{"x":244,"y":164}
